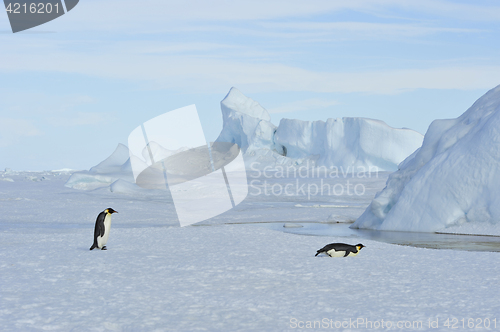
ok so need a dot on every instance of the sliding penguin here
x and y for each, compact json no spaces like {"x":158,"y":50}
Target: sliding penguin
{"x":340,"y":250}
{"x":102,"y":227}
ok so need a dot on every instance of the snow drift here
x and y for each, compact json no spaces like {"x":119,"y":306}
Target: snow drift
{"x":451,"y":182}
{"x":346,"y":142}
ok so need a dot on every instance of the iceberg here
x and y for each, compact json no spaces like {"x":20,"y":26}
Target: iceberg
{"x":116,"y":166}
{"x":246,"y":123}
{"x":346,"y":142}
{"x":451,"y":183}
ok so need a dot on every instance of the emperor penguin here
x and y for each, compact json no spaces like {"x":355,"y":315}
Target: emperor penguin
{"x":340,"y":250}
{"x":102,"y":227}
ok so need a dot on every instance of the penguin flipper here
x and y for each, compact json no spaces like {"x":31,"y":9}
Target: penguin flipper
{"x":99,"y":225}
{"x":347,"y":252}
{"x":98,"y":229}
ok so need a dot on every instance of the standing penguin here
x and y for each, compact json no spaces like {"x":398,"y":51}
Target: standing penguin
{"x":102,"y":227}
{"x":340,"y":250}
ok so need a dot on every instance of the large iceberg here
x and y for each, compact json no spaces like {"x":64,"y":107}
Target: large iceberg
{"x":346,"y":142}
{"x":356,"y":142}
{"x":451,"y":183}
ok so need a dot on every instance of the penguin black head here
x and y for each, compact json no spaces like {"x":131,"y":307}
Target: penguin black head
{"x":110,"y":211}
{"x":359,"y":246}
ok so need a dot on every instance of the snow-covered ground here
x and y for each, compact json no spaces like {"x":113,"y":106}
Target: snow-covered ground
{"x":244,"y":270}
{"x":157,"y":276}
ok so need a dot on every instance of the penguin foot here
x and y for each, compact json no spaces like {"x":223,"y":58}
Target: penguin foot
{"x":104,"y":248}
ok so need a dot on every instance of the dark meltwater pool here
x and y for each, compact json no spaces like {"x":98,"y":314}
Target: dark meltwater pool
{"x":422,"y":240}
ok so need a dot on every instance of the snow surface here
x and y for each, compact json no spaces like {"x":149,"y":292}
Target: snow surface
{"x":156,"y":276}
{"x":227,"y":275}
{"x":346,"y":142}
{"x":451,"y":183}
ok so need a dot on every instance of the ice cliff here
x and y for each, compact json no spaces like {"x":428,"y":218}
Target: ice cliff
{"x":451,"y":183}
{"x":346,"y":142}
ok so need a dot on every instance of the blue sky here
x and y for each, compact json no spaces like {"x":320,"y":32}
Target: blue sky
{"x":72,"y":89}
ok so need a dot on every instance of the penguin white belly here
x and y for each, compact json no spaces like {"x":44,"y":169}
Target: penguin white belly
{"x":341,"y":253}
{"x":101,"y":241}
{"x":333,"y":253}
